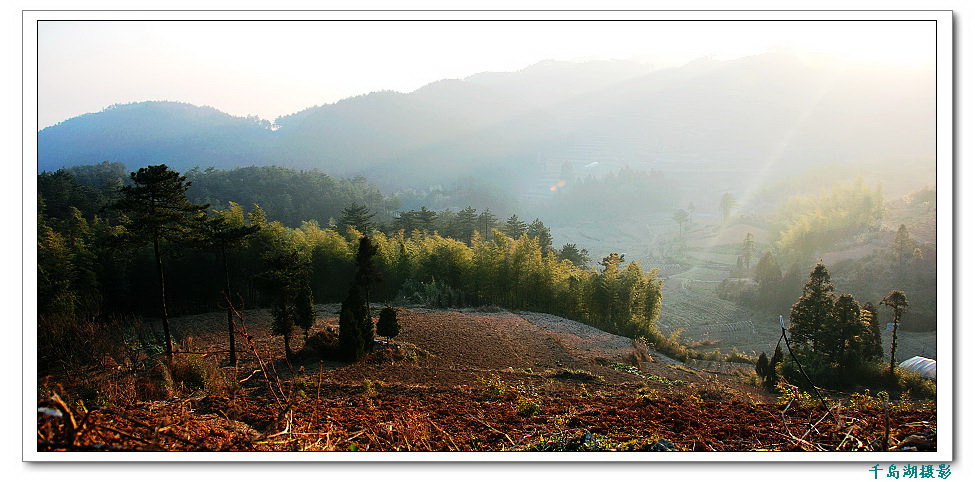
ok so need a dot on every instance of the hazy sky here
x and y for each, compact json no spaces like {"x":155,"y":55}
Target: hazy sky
{"x":275,"y":68}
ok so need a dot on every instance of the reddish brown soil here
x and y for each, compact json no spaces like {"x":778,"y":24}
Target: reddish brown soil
{"x":481,"y":381}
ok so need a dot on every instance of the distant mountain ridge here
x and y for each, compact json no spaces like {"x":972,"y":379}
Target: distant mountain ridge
{"x":773,"y":109}
{"x":136,"y":134}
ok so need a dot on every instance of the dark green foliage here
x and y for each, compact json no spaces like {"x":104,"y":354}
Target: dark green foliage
{"x":514,"y":227}
{"x":356,"y":216}
{"x":357,"y":331}
{"x":768,"y":274}
{"x":811,"y":315}
{"x":388,"y":325}
{"x":870,"y":317}
{"x":897,"y":301}
{"x":761,"y":366}
{"x":156,"y":205}
{"x":224,"y":232}
{"x":156,"y":210}
{"x":829,"y":333}
{"x":423,"y":220}
{"x":62,"y":189}
{"x":434,"y":293}
{"x":766,"y":368}
{"x":538,"y":230}
{"x":568,"y":442}
{"x":486,"y":222}
{"x":286,"y":281}
{"x":351,"y":342}
{"x":494,"y":270}
{"x":66,"y":268}
{"x":578,"y":257}
{"x":426,"y":219}
{"x":290,"y":196}
{"x":366,"y":275}
{"x":465,"y":224}
{"x":902,"y":247}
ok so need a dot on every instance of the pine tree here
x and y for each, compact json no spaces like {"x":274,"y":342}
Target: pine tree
{"x":286,"y":280}
{"x":466,"y":224}
{"x":356,"y":330}
{"x":425,"y":219}
{"x":897,"y":301}
{"x":157,"y":210}
{"x":829,"y":330}
{"x":405,"y":221}
{"x":578,"y":257}
{"x":223,"y":233}
{"x":874,"y":341}
{"x":486,"y":222}
{"x":357,"y":216}
{"x":811,"y":315}
{"x":366,"y":275}
{"x":847,"y":335}
{"x":538,"y":230}
{"x":902,"y":248}
{"x":514,"y":227}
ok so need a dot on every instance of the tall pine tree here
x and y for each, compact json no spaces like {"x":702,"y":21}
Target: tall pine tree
{"x":157,"y":210}
{"x":897,"y":301}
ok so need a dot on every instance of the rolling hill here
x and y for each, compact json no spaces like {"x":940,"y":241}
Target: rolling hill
{"x":776,"y":109}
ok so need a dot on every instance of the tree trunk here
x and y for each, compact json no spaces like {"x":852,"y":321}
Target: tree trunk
{"x":372,"y":329}
{"x":893,"y":342}
{"x":162,"y":298}
{"x":230,"y":314}
{"x":287,"y":346}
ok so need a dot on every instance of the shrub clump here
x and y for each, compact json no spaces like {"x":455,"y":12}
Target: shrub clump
{"x":321,"y":345}
{"x":577,"y":375}
{"x":195,"y":373}
{"x":388,"y":324}
{"x":528,"y":406}
{"x":568,"y":442}
{"x":494,"y":387}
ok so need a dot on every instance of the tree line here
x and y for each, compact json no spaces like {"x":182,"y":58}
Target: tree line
{"x":151,"y":251}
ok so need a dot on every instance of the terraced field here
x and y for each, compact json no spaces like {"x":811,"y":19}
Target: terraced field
{"x":702,"y":316}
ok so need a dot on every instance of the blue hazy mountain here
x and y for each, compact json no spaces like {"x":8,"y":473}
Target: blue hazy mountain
{"x":775,"y":109}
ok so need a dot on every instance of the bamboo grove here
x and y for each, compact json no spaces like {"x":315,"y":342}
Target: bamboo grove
{"x":86,"y":272}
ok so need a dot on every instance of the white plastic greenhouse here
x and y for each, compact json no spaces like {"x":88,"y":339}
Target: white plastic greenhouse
{"x":925,"y":367}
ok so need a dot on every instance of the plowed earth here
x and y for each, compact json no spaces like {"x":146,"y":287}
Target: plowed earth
{"x":474,"y":382}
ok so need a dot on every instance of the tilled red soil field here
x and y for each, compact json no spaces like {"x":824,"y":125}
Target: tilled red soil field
{"x":472,"y":382}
